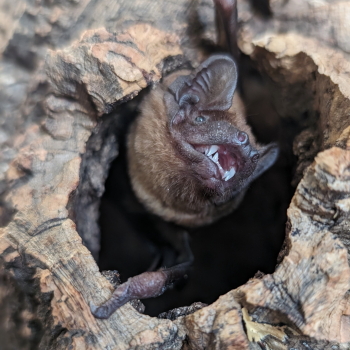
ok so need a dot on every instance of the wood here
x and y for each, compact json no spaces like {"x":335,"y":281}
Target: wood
{"x":64,"y":67}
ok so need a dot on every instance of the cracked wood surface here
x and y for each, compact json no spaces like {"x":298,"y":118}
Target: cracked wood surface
{"x":50,"y":166}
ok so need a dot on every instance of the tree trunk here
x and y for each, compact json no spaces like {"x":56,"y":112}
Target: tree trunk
{"x":66,"y":69}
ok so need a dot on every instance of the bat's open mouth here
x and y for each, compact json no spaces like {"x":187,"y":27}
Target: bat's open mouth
{"x":227,"y":159}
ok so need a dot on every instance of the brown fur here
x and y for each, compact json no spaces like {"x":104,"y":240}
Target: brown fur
{"x":167,"y":174}
{"x":159,"y":177}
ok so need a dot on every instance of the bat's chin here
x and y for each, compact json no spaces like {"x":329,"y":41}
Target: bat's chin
{"x":222,"y":166}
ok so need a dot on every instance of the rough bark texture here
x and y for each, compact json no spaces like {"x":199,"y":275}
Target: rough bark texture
{"x":66,"y":65}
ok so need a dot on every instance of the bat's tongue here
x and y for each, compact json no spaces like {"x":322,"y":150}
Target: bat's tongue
{"x":227,"y":160}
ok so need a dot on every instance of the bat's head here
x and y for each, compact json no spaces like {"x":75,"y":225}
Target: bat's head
{"x":221,"y":157}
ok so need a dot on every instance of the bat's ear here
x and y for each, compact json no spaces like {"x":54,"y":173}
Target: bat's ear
{"x":175,"y":114}
{"x":211,"y":86}
{"x":268,"y":155}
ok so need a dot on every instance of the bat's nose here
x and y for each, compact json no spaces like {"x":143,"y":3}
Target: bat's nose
{"x":242,"y":138}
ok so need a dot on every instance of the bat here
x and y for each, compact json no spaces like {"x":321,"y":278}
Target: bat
{"x":191,"y":153}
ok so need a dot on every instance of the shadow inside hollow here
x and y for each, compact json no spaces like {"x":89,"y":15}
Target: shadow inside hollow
{"x":228,"y":252}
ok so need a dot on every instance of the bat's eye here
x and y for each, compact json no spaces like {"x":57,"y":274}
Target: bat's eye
{"x":200,"y":119}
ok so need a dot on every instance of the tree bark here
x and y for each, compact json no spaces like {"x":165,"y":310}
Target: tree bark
{"x":65,"y":71}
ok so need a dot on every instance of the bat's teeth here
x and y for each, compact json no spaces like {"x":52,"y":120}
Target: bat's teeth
{"x":212,"y":150}
{"x":212,"y":154}
{"x":229,"y":174}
